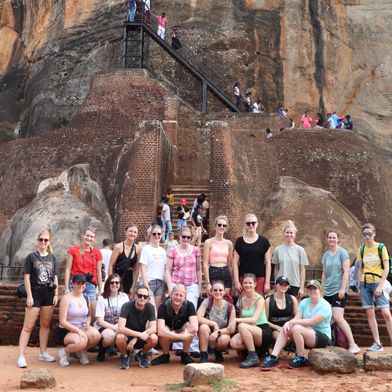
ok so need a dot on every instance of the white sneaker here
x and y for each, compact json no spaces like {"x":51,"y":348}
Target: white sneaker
{"x":375,"y":347}
{"x":83,"y":359}
{"x":63,"y":357}
{"x":22,"y":362}
{"x":46,"y":357}
{"x":153,"y":351}
{"x":354,"y":349}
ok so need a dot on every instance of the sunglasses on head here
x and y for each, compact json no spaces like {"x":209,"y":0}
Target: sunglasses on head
{"x":367,"y":234}
{"x":143,"y":296}
{"x":156,"y":234}
{"x":250,"y":223}
{"x":186,"y":237}
{"x":115,"y":282}
{"x":221,"y":225}
{"x":43,"y":239}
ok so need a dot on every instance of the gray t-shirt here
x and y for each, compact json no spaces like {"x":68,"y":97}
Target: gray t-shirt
{"x":333,"y":265}
{"x":217,"y":315}
{"x":290,"y":258}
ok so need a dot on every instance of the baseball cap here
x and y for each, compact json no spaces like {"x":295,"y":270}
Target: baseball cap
{"x":282,"y":279}
{"x":314,"y":283}
{"x":183,"y":201}
{"x":79,"y":278}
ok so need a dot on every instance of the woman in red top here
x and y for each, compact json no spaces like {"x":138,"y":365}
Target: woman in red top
{"x":84,"y":259}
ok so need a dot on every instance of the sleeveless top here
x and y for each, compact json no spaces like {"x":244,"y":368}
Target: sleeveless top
{"x":124,"y":267}
{"x":219,"y":254}
{"x":246,"y":313}
{"x":280,"y":316}
{"x":76,"y":315}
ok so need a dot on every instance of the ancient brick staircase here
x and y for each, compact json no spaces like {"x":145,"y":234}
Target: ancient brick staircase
{"x":189,"y":192}
{"x":10,"y":328}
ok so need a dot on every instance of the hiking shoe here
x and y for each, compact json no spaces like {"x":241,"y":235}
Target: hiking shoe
{"x":375,"y":347}
{"x":298,"y":362}
{"x":203,"y":357}
{"x":218,"y":356}
{"x":22,"y":362}
{"x":186,"y":359}
{"x":143,"y":360}
{"x":63,"y":357}
{"x":124,"y":362}
{"x":354,"y":349}
{"x":83,"y":358}
{"x":164,"y":358}
{"x":101,"y":354}
{"x":270,"y":362}
{"x":195,"y":354}
{"x":46,"y":357}
{"x":178,"y":353}
{"x":252,"y":360}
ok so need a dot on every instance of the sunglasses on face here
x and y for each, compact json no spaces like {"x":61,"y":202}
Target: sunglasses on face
{"x":143,"y":296}
{"x":367,"y":234}
{"x":115,"y":282}
{"x":250,"y":223}
{"x":43,"y":240}
{"x":156,"y":234}
{"x":221,"y":225}
{"x":186,"y":237}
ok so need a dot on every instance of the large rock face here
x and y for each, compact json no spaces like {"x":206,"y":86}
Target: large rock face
{"x":313,"y":54}
{"x":67,"y":204}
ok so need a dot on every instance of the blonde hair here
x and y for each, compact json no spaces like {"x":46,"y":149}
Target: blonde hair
{"x":368,"y":226}
{"x":222,"y":217}
{"x":289,"y":225}
{"x":49,"y":233}
{"x":247,"y":216}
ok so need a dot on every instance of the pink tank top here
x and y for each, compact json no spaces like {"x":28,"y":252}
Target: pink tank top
{"x":219,"y":255}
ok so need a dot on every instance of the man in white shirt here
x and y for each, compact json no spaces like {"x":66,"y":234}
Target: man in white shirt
{"x":106,"y":253}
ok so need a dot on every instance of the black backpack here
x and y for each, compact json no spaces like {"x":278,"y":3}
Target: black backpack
{"x":380,"y":246}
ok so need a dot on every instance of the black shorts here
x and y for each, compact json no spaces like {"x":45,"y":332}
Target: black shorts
{"x":335,"y":301}
{"x":220,"y":273}
{"x":42,"y":295}
{"x":60,"y":334}
{"x":293,"y":290}
{"x":322,"y":340}
{"x":266,"y":337}
{"x":139,"y":345}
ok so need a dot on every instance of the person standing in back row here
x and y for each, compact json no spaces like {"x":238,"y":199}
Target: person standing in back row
{"x":372,"y":274}
{"x":162,"y":23}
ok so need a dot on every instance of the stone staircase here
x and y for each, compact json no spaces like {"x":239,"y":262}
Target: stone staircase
{"x":189,"y":192}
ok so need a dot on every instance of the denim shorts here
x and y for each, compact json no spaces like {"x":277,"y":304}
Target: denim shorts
{"x":369,"y":300}
{"x":156,"y":287}
{"x":90,"y":291}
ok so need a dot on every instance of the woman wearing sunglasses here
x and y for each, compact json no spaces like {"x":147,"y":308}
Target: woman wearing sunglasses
{"x":75,"y":331}
{"x":152,"y":266}
{"x":40,"y":279}
{"x":290,"y":260}
{"x":218,"y":256}
{"x":183,"y":265}
{"x":254,"y":332}
{"x":124,"y":260}
{"x":216,"y":323}
{"x":252,"y":255}
{"x":107,"y":313}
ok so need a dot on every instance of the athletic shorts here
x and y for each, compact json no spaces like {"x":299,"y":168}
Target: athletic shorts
{"x":293,"y":290}
{"x":322,"y":340}
{"x":220,"y":273}
{"x":335,"y":301}
{"x":60,"y":334}
{"x":156,"y":287}
{"x":42,"y":295}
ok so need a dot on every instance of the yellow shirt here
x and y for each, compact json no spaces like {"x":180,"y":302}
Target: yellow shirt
{"x":372,"y":263}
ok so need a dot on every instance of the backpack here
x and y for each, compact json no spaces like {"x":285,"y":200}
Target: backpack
{"x":230,"y":305}
{"x":380,"y":246}
{"x":339,"y":339}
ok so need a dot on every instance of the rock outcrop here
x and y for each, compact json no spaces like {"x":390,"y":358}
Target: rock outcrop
{"x":39,"y":378}
{"x":332,"y":359}
{"x":377,"y":361}
{"x":203,"y":373}
{"x":308,"y":54}
{"x":67,"y":204}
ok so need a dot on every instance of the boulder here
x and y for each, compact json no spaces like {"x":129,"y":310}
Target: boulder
{"x":377,"y":360}
{"x":67,"y":204}
{"x":37,"y":378}
{"x":332,"y":359}
{"x":203,"y":373}
{"x":314,"y":211}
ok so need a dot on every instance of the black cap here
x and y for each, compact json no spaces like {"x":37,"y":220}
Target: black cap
{"x":282,"y":279}
{"x":79,"y":278}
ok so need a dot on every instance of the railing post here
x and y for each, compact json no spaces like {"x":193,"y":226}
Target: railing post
{"x":204,"y":97}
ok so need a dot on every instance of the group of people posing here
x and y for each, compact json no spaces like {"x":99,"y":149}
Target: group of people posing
{"x":152,"y":295}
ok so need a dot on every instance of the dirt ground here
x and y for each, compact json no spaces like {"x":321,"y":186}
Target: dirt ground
{"x":107,"y":377}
